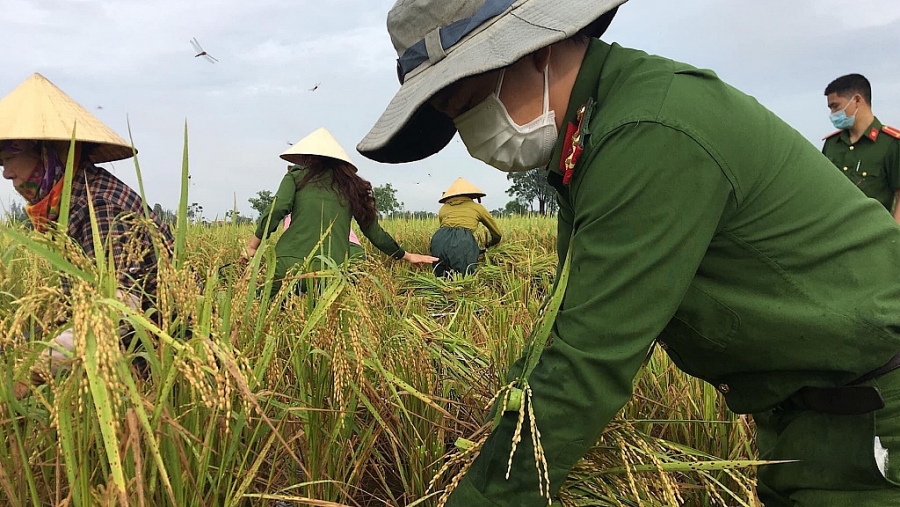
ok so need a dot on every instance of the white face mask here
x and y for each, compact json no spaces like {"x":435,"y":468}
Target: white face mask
{"x":493,"y":137}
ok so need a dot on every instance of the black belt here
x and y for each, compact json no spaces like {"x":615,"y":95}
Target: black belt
{"x":852,"y":399}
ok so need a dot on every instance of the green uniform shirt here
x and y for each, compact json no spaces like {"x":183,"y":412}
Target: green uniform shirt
{"x":463,"y":212}
{"x":699,"y":218}
{"x":313,"y":209}
{"x":872,"y":163}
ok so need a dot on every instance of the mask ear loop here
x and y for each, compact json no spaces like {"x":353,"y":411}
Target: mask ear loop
{"x":547,"y":89}
{"x":547,"y":82}
{"x":500,"y":82}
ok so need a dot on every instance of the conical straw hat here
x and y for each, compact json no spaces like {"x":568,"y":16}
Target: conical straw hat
{"x":320,"y":143}
{"x":39,"y":111}
{"x":461,"y":187}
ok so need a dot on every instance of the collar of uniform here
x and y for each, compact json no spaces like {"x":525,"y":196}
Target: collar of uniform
{"x":874,"y":130}
{"x":585,"y":87}
{"x":871,"y":133}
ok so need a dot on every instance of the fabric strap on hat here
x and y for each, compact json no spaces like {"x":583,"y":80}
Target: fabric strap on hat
{"x":427,"y":49}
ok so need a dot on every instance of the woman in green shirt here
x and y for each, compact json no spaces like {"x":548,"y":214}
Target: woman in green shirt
{"x":322,"y":192}
{"x":454,"y":243}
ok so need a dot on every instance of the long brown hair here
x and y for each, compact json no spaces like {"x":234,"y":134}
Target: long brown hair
{"x":353,"y":191}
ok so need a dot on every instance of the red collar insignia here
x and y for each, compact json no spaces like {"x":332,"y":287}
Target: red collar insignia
{"x":573,"y":146}
{"x":873,"y":134}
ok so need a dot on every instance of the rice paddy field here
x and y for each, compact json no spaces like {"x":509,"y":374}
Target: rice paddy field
{"x":374,"y":393}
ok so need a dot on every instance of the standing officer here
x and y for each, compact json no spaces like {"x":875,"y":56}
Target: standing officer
{"x":691,"y":216}
{"x":863,"y":149}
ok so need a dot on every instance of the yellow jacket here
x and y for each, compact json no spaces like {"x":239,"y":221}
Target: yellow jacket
{"x":462,"y":211}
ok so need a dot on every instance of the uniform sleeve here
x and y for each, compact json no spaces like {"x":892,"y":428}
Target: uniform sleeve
{"x":382,"y":240}
{"x":564,"y":222}
{"x":485,"y":218}
{"x":893,"y":165}
{"x":645,"y":209}
{"x":284,"y":201}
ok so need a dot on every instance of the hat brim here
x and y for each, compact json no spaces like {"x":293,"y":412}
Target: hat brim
{"x":100,"y":152}
{"x":427,"y":132}
{"x":410,"y":129}
{"x":298,"y":159}
{"x":473,"y":195}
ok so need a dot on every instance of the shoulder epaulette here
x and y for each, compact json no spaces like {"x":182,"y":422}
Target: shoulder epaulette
{"x":836,"y":132}
{"x":891,"y":131}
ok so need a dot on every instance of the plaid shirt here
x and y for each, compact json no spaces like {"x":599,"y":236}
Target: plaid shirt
{"x":118,"y":210}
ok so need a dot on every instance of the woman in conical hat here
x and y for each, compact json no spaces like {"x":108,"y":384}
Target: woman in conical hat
{"x":36,"y":124}
{"x":454,"y":243}
{"x":322,"y":192}
{"x":356,"y":250}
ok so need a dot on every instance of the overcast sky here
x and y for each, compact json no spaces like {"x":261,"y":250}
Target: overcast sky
{"x":132,"y":59}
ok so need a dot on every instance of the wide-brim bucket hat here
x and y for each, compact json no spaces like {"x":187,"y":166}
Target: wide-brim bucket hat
{"x":461,"y":187}
{"x":37,"y":110}
{"x":320,"y":143}
{"x":440,"y":42}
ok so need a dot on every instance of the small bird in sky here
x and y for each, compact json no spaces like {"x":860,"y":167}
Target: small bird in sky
{"x":99,"y":107}
{"x":200,"y":52}
{"x":314,"y":88}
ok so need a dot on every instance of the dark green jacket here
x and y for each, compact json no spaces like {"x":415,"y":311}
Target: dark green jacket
{"x":699,"y":218}
{"x":313,"y":210}
{"x":872,"y":163}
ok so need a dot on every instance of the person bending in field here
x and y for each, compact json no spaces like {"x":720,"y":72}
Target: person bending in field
{"x":690,"y":216}
{"x":36,"y":124}
{"x":454,"y":243}
{"x":322,"y":192}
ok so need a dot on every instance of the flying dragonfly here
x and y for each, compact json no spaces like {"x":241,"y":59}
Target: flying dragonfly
{"x":200,"y":52}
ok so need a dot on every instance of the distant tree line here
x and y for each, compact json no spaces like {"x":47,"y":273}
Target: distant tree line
{"x":532,"y":193}
{"x":16,"y":214}
{"x":530,"y":190}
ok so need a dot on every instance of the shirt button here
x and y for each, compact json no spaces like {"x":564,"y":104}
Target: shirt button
{"x":845,"y":168}
{"x":851,"y":148}
{"x":865,"y":174}
{"x":724,"y":388}
{"x":664,"y":345}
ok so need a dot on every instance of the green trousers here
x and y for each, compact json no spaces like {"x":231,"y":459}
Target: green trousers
{"x":283,"y":264}
{"x":840,"y":461}
{"x":457,"y":250}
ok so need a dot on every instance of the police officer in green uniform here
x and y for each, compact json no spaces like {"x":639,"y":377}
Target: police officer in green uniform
{"x":691,"y":216}
{"x":322,"y":193}
{"x":866,"y":151}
